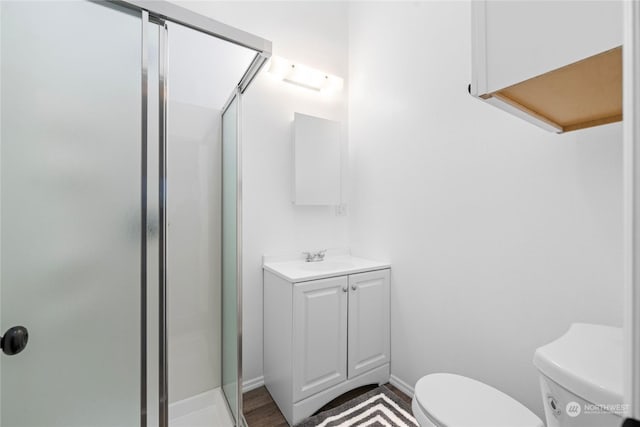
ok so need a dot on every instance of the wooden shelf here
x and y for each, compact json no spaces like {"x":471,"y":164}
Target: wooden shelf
{"x":579,"y":95}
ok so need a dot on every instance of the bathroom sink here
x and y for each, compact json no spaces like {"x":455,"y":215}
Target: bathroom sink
{"x":296,"y":269}
{"x":327,"y":265}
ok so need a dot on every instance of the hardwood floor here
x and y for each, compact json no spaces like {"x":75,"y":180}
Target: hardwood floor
{"x":399,"y":393}
{"x":261,"y":411}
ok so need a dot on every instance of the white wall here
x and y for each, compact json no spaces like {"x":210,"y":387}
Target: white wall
{"x":314,"y":34}
{"x":499,"y":234}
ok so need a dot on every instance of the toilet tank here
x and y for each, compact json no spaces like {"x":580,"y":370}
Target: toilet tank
{"x":581,"y":377}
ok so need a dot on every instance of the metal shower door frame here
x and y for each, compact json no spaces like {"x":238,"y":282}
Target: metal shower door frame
{"x":160,"y":12}
{"x":631,"y":159}
{"x":237,"y":95}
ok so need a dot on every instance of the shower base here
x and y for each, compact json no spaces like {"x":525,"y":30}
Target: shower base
{"x":208,"y":409}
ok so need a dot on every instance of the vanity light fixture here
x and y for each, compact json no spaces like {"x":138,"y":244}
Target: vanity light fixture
{"x":304,"y":76}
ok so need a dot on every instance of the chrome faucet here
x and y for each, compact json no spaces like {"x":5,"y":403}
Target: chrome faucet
{"x":314,"y":256}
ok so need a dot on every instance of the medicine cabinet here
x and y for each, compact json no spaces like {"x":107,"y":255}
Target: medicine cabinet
{"x":316,"y":161}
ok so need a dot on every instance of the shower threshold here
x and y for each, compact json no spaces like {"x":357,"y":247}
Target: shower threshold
{"x":207,"y":409}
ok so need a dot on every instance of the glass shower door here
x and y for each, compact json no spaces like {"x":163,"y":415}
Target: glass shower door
{"x":231,"y":327}
{"x":70,"y":247}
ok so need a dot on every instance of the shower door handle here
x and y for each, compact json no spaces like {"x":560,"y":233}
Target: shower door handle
{"x":14,"y":340}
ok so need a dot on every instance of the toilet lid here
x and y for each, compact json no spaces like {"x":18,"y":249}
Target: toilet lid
{"x":457,"y":401}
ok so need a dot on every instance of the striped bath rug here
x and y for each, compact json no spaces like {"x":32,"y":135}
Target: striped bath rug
{"x":378,"y":408}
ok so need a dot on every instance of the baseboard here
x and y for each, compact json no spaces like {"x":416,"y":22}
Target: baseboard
{"x":403,"y":386}
{"x":252,"y":384}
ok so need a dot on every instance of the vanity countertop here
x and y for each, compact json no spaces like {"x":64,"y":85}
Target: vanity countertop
{"x":298,"y":270}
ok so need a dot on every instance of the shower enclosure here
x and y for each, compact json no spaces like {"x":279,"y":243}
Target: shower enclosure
{"x":119,"y":212}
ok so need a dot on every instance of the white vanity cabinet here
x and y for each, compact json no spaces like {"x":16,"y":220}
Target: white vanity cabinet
{"x":323,"y":337}
{"x":369,"y":334}
{"x":319,"y":342}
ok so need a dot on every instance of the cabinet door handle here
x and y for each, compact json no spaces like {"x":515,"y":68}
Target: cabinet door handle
{"x":345,"y":289}
{"x":354,"y":287}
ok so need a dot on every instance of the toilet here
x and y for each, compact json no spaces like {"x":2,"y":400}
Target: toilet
{"x":581,"y":377}
{"x":581,"y":380}
{"x":449,"y":400}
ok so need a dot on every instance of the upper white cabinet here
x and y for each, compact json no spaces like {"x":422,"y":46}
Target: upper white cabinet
{"x":316,"y":161}
{"x":557,"y":64}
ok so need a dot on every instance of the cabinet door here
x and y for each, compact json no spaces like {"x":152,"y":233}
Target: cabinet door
{"x":319,"y":335}
{"x":369,"y":335}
